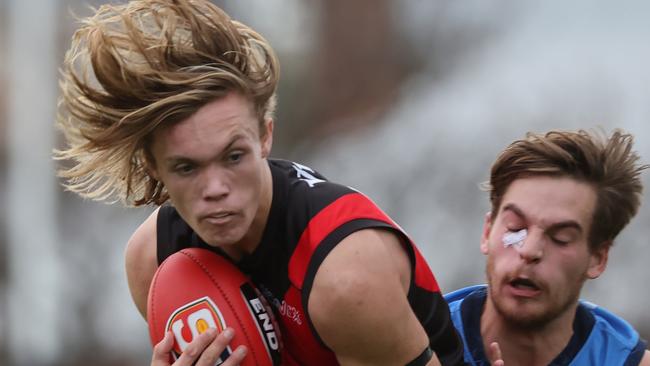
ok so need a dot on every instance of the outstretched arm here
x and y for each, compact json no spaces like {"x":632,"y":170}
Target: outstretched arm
{"x":358,"y":303}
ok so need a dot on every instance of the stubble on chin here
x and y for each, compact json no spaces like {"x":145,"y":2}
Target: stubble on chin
{"x":529,"y":317}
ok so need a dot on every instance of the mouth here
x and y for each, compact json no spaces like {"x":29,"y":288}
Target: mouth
{"x":524,"y":283}
{"x":218,"y":218}
{"x":524,"y":287}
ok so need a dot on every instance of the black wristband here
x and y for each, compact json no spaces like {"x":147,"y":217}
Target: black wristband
{"x":422,"y":359}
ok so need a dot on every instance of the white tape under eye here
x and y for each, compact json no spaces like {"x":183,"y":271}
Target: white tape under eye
{"x":515,"y":238}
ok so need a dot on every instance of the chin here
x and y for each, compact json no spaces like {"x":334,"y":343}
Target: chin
{"x":526,"y":320}
{"x":530,"y":316}
{"x":220,"y":239}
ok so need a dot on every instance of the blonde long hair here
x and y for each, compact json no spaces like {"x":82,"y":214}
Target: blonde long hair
{"x":134,"y":67}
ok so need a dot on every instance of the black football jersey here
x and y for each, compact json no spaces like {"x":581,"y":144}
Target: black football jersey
{"x":309,"y":216}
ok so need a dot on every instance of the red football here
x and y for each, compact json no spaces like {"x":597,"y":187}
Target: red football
{"x":194,"y":290}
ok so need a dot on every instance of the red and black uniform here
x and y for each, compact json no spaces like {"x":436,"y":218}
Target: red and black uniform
{"x":309,"y":216}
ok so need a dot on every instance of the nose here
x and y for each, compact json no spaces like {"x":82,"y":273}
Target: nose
{"x":214,"y":184}
{"x":532,"y":249}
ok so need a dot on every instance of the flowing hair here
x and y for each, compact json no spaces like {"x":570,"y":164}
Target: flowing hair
{"x":134,"y":67}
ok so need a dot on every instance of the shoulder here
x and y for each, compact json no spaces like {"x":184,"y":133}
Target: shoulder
{"x":141,"y":261}
{"x":310,"y":203}
{"x":365,"y":280}
{"x":466,"y":306}
{"x":142,"y":243}
{"x":613,"y":338}
{"x":305,"y":185}
{"x":456,"y":301}
{"x":611,"y":324}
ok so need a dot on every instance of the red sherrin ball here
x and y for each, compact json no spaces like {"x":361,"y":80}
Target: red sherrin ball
{"x":195,"y":289}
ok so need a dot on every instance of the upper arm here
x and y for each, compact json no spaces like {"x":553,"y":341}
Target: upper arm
{"x":141,"y":261}
{"x":358,"y":303}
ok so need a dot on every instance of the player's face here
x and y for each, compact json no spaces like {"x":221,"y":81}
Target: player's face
{"x":214,"y":167}
{"x":540,"y":280}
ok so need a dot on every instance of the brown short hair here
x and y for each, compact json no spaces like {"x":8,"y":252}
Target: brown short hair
{"x":606,"y":163}
{"x":132,"y":67}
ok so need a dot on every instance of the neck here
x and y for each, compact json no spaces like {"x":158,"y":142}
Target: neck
{"x":524,"y":345}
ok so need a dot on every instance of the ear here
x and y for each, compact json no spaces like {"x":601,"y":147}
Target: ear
{"x":598,"y":260}
{"x":266,"y":137}
{"x":485,"y":236}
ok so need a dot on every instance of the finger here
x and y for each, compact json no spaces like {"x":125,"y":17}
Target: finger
{"x":195,"y":348}
{"x":495,"y":354}
{"x":236,"y":357}
{"x":495,"y":351}
{"x":161,"y":351}
{"x":215,"y":348}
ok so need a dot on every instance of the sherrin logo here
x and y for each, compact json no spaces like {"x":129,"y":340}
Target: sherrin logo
{"x":192,"y":319}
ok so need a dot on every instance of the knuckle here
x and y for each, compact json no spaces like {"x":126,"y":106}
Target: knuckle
{"x":222,"y":340}
{"x":214,"y":350}
{"x":191,"y":352}
{"x":159,"y":348}
{"x":197,"y":346}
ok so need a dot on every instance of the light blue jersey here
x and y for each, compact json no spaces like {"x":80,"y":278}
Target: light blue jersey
{"x":599,"y":337}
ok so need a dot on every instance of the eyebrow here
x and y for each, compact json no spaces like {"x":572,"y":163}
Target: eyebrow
{"x":177,"y":158}
{"x":567,"y":224}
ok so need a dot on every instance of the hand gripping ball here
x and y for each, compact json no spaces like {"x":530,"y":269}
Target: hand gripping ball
{"x":195,"y":289}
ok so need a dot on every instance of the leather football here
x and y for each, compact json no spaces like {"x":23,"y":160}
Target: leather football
{"x":196,"y":289}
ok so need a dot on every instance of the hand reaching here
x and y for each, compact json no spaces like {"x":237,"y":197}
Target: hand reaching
{"x":204,"y":350}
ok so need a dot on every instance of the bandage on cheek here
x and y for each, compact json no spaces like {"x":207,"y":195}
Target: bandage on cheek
{"x":514,"y":238}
